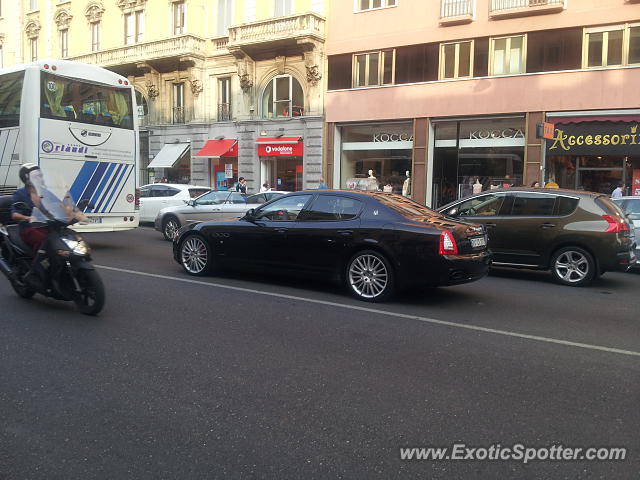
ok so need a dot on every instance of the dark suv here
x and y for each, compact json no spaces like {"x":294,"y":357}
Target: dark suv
{"x":576,"y":235}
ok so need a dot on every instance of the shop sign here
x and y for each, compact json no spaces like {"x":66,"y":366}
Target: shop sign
{"x":281,"y":149}
{"x":228,"y":170}
{"x":595,"y":138}
{"x":392,"y":137}
{"x":496,"y":133}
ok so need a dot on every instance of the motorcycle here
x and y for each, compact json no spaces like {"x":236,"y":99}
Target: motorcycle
{"x":65,"y":271}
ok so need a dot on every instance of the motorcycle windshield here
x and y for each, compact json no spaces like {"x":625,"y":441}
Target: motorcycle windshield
{"x":51,"y":198}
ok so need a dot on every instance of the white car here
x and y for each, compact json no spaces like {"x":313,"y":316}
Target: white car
{"x":156,"y":196}
{"x":214,"y":205}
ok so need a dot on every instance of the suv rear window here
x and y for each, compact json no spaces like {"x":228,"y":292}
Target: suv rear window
{"x":566,"y":206}
{"x":608,"y":205}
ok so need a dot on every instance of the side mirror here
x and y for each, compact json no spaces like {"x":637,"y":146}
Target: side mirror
{"x":250,"y":215}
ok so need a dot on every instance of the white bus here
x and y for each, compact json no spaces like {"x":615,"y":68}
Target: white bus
{"x":79,"y":121}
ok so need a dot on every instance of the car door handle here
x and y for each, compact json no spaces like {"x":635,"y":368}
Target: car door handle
{"x":281,"y":230}
{"x":345,"y":233}
{"x":547,"y":225}
{"x":490,"y":225}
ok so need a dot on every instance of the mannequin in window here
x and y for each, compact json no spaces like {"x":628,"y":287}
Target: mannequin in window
{"x":373,"y":181}
{"x":406,"y":186}
{"x":477,"y":187}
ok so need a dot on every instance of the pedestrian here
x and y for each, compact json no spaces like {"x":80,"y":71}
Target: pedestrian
{"x":618,"y":192}
{"x":322,"y":185}
{"x":265,"y":187}
{"x":242,"y":185}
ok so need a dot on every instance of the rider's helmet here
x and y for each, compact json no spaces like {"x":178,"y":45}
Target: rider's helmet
{"x":25,"y":170}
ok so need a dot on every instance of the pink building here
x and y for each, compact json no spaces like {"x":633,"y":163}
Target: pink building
{"x":450,"y":93}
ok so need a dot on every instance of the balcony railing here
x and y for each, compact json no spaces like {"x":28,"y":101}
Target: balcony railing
{"x":178,"y":115}
{"x":291,"y":27}
{"x":184,"y":45}
{"x":502,"y":5}
{"x":224,"y":112}
{"x":220,"y":44}
{"x":456,"y":8}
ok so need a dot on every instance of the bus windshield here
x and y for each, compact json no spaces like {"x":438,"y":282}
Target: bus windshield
{"x":85,"y":102}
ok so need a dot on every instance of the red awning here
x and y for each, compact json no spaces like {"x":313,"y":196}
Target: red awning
{"x":277,"y":140}
{"x":219,"y":148}
{"x":595,"y":118}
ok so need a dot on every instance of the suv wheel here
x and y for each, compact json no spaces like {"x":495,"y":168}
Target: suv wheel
{"x":573,"y":266}
{"x":170,"y":226}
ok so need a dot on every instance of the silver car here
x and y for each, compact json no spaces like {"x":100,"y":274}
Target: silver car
{"x":214,"y":205}
{"x":631,"y":207}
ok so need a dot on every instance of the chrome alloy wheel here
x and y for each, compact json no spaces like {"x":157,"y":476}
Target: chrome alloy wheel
{"x":368,"y":276}
{"x":572,"y":266}
{"x":194,"y":255}
{"x":170,"y":229}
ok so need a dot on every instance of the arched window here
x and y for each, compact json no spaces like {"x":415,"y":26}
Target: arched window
{"x":283,"y":97}
{"x":143,"y":108}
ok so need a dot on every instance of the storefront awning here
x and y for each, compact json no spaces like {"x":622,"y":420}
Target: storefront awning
{"x":219,"y":148}
{"x":169,"y":155}
{"x":280,"y":146}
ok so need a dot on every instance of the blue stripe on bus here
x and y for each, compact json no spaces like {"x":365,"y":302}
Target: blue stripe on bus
{"x":81,"y":180}
{"x":95,"y":181}
{"x":101,"y":207}
{"x":123,"y":184}
{"x":109,"y":206}
{"x":103,"y":183}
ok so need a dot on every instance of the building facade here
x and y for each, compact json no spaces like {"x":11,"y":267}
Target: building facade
{"x":429,"y":99}
{"x":225,"y":88}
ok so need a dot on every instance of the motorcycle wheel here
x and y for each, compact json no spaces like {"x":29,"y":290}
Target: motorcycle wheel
{"x":21,"y":288}
{"x":91,"y":299}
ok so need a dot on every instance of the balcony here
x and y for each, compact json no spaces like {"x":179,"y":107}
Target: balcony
{"x":454,"y":12}
{"x":520,"y":8}
{"x":165,"y":55}
{"x":290,"y":35}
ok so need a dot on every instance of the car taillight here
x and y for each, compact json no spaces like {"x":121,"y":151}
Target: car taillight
{"x":137,"y":200}
{"x":447,"y":244}
{"x":616,"y":225}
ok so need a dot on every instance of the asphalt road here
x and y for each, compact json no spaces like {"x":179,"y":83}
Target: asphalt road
{"x":253,"y":376}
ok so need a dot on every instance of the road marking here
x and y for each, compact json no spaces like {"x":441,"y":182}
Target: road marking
{"x":434,"y":321}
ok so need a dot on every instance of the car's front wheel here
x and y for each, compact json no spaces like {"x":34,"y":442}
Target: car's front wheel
{"x":196,"y":256}
{"x":369,"y":276}
{"x":573,"y":266}
{"x":170,"y":226}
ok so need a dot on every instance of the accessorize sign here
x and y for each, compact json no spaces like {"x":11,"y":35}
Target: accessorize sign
{"x":595,"y":138}
{"x":281,"y":149}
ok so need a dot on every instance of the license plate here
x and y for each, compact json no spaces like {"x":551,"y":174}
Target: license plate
{"x":95,"y":219}
{"x":478,"y":242}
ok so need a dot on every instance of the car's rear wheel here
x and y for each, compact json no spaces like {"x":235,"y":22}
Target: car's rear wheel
{"x":196,"y":256}
{"x":573,"y":266}
{"x":170,"y":226}
{"x":369,"y":276}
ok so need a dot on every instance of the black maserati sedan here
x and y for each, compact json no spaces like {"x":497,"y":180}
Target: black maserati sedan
{"x":373,"y":242}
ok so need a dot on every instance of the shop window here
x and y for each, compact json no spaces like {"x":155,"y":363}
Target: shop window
{"x":611,"y":46}
{"x":364,"y":5}
{"x":533,"y":205}
{"x":283,"y":97}
{"x":508,"y":55}
{"x":178,"y":18}
{"x":456,"y":60}
{"x":416,"y":63}
{"x":340,"y":71}
{"x":330,"y":208}
{"x":63,"y":38}
{"x":553,"y":50}
{"x":374,"y":68}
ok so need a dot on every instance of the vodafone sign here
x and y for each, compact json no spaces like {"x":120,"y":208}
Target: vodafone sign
{"x":270,"y":148}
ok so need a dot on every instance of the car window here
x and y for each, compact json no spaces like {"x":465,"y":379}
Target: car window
{"x":170,"y":191}
{"x":196,"y":192}
{"x":272,"y":195}
{"x":484,"y":205}
{"x":212,"y":198}
{"x":145,"y":192}
{"x":284,"y":209}
{"x":332,"y":208}
{"x":257,"y":198}
{"x":566,"y":205}
{"x":157,"y":191}
{"x":533,"y":204}
{"x":632,"y":208}
{"x":236,"y":198}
